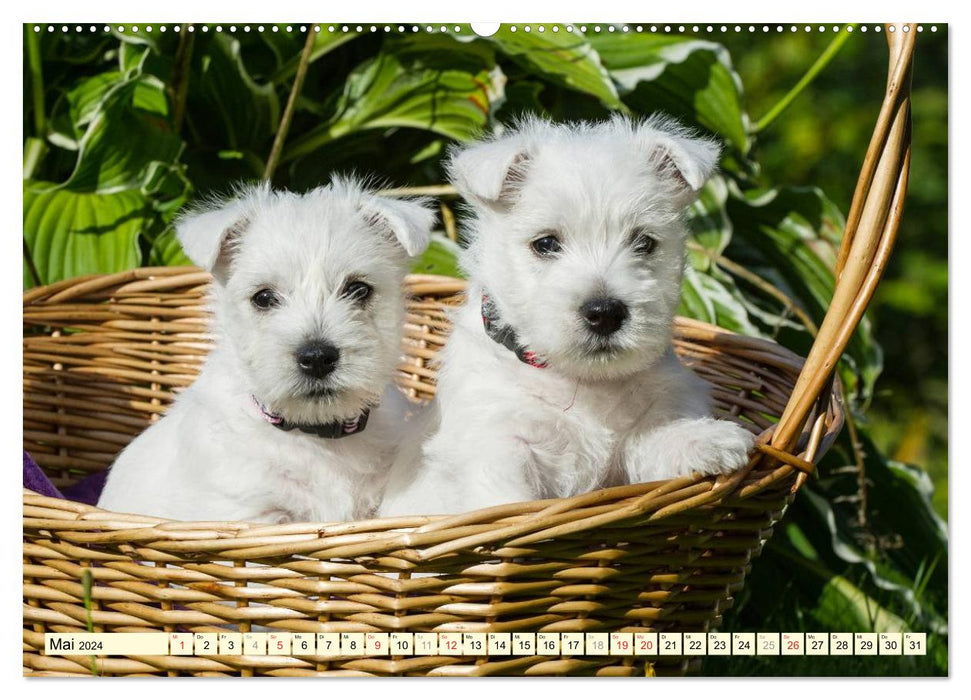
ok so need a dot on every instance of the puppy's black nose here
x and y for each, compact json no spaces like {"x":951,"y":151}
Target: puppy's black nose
{"x":604,"y":316}
{"x":317,"y":359}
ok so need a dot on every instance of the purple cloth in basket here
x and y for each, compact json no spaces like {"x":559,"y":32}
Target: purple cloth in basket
{"x":36,"y":480}
{"x":85,"y":491}
{"x":88,"y":490}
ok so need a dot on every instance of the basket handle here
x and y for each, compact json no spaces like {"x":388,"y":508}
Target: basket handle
{"x":871,"y":228}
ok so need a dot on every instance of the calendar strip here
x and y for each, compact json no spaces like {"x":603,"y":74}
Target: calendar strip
{"x":471,"y":644}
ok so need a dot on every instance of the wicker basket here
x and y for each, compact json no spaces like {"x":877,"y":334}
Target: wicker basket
{"x":104,"y":355}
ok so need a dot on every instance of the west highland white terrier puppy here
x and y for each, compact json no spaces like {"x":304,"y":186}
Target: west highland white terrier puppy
{"x":559,"y":376}
{"x":293,"y":416}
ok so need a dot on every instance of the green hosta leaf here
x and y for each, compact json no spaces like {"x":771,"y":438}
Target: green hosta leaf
{"x":904,"y":543}
{"x":840,"y":604}
{"x":708,"y":292}
{"x":522,"y":97}
{"x":896,"y":583}
{"x":228,"y":110}
{"x":138,"y":40}
{"x":690,"y":79}
{"x":788,"y":236}
{"x":710,"y":234}
{"x":80,"y":233}
{"x":79,"y":106}
{"x":567,"y":58}
{"x":85,"y":102}
{"x":77,"y":49}
{"x":283,"y":45}
{"x":132,"y":55}
{"x":710,"y":229}
{"x":707,"y":299}
{"x":124,"y":134}
{"x":390,"y":91}
{"x":166,"y":250}
{"x":444,"y":51}
{"x":440,"y":258}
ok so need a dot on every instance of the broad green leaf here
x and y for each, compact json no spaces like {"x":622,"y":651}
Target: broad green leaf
{"x":799,"y":584}
{"x":324,"y":43}
{"x":80,"y":233}
{"x":86,"y":100}
{"x":78,"y":107}
{"x":140,"y":39}
{"x":132,"y":56}
{"x":788,"y":236}
{"x":444,"y":51}
{"x":708,"y":293}
{"x":285,"y":46}
{"x":905,"y":540}
{"x":440,"y":258}
{"x":166,"y":250}
{"x":707,"y":299}
{"x":710,"y":229}
{"x":388,"y":91}
{"x":840,"y":604}
{"x":227,"y":108}
{"x":690,"y":79}
{"x":694,"y":302}
{"x":75,"y":48}
{"x":34,"y":152}
{"x":710,"y":234}
{"x":836,"y":538}
{"x":522,"y":97}
{"x":565,"y":57}
{"x":121,"y":138}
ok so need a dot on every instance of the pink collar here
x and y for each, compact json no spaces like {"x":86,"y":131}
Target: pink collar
{"x":333,"y":431}
{"x":505,"y":335}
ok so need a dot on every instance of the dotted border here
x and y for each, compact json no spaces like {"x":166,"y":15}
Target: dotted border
{"x":458,"y":29}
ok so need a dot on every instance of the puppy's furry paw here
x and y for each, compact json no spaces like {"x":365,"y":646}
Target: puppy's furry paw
{"x":720,"y":446}
{"x":683,"y":447}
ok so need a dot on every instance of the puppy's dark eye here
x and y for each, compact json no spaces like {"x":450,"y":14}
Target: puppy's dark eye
{"x":547,"y":246}
{"x":357,"y":291}
{"x":265,"y":299}
{"x":642,"y":242}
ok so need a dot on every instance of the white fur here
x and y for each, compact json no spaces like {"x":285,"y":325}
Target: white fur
{"x":628,"y":411}
{"x":213,"y":456}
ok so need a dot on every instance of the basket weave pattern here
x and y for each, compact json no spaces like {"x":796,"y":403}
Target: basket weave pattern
{"x":104,"y":356}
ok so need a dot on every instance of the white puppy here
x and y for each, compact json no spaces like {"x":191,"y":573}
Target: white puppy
{"x":559,"y":376}
{"x":293,"y":416}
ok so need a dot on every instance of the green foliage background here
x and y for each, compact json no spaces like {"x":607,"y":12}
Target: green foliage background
{"x":122,"y":128}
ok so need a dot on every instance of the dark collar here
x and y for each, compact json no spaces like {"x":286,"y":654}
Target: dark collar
{"x":333,"y":431}
{"x":505,"y":335}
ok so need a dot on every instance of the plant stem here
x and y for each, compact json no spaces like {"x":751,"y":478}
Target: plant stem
{"x":180,"y":76}
{"x":34,"y":151}
{"x":815,"y":69}
{"x":734,"y":268}
{"x":31,"y":267}
{"x":36,"y":81}
{"x":281,"y":133}
{"x":448,"y":222}
{"x":422,"y":191}
{"x":859,"y":457}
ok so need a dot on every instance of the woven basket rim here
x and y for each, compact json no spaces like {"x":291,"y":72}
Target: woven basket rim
{"x":398,"y":531}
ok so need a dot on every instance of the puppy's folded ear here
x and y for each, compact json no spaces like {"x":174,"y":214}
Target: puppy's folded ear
{"x":683,"y":160}
{"x":408,"y":221}
{"x":490,"y":173}
{"x":209,"y":232}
